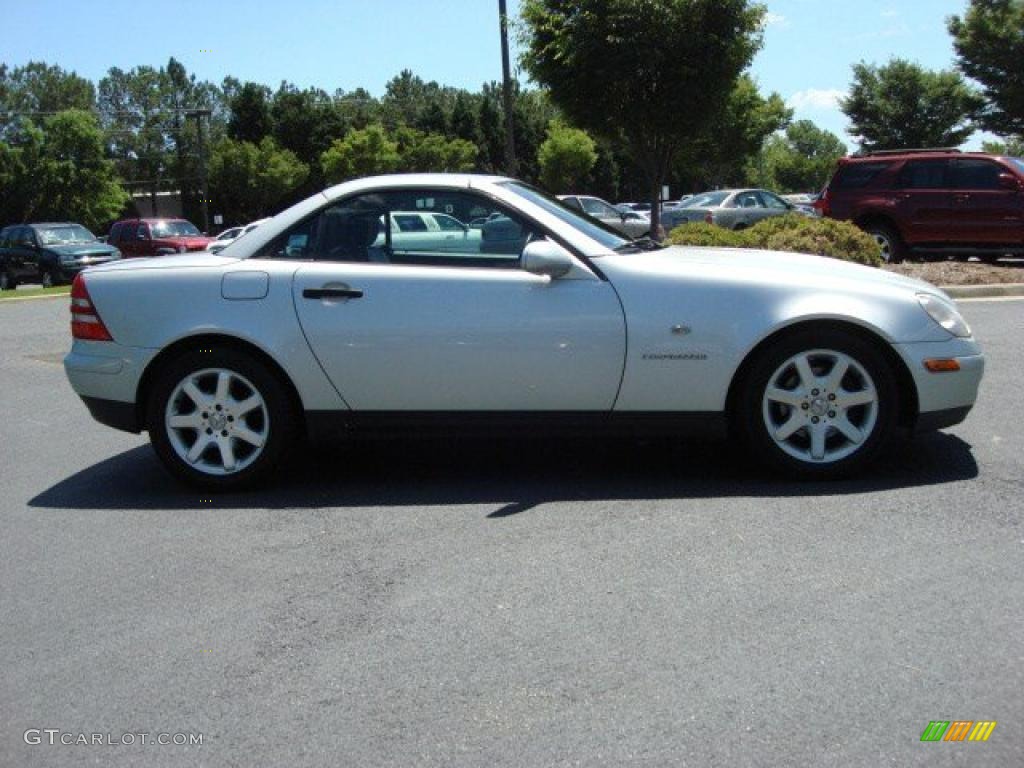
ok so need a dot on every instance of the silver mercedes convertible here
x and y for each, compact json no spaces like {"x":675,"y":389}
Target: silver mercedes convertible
{"x":469,"y":303}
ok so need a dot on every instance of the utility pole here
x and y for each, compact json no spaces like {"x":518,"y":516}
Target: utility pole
{"x":506,"y":73}
{"x":204,"y":193}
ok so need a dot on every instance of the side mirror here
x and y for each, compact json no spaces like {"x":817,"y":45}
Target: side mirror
{"x":545,"y":257}
{"x":1009,"y":181}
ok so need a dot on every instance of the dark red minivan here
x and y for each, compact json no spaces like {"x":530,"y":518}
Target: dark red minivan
{"x":932,"y":202}
{"x":157,"y":237}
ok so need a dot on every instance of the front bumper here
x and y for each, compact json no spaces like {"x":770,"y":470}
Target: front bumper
{"x":944,"y":399}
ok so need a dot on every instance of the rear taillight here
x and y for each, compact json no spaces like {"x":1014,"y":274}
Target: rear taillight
{"x":824,"y":203}
{"x":85,"y":320}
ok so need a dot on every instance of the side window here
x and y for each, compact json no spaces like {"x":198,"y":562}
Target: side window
{"x":773,"y":202}
{"x":598,"y":208}
{"x":924,"y":174}
{"x":573,"y":203}
{"x":448,"y":224}
{"x":410,"y":222}
{"x":390,"y":228}
{"x":27,"y":237}
{"x":976,"y":174}
{"x":748,"y":200}
{"x":857,"y":175}
{"x":115,"y":234}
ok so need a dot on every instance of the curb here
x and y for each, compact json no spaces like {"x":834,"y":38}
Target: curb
{"x":992,"y":290}
{"x":13,"y":299}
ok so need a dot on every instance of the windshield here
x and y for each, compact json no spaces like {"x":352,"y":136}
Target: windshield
{"x":592,"y":228}
{"x":174,"y":229}
{"x":65,"y":235}
{"x":706,"y":200}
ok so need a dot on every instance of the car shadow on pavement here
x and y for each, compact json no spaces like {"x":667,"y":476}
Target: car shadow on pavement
{"x":514,"y":475}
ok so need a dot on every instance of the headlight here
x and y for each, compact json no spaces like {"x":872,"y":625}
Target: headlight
{"x":944,"y":313}
{"x":67,"y":258}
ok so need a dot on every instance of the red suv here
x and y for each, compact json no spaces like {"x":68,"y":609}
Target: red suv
{"x":157,"y":237}
{"x":932,"y":202}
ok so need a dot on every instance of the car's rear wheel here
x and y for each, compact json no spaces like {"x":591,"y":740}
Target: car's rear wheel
{"x":818,"y":404}
{"x":220,"y":419}
{"x":49,"y":279}
{"x":7,"y":281}
{"x":890,"y":247}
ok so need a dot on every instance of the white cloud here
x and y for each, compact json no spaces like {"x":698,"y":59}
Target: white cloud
{"x":775,"y":20}
{"x":816,"y":99}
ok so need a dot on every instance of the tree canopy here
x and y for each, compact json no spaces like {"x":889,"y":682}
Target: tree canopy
{"x":566,"y":157}
{"x":901,"y":105}
{"x":800,"y":160}
{"x":652,"y":74}
{"x":989,"y":42}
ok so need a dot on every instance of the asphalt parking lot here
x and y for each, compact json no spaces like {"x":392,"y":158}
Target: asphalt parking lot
{"x":558,"y":604}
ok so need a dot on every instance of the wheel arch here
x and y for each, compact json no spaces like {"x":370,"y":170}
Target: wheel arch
{"x":200,"y":341}
{"x":868,"y":218}
{"x":907,"y":388}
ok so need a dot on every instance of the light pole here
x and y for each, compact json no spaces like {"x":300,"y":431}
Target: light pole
{"x":199,"y":114}
{"x":506,"y":73}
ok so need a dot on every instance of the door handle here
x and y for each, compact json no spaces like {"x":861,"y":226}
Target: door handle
{"x":962,"y":197}
{"x":332,"y":293}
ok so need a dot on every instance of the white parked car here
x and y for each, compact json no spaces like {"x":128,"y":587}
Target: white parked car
{"x":324,"y":318}
{"x":228,"y":236}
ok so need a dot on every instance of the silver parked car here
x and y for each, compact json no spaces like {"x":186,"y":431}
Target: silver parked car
{"x":329,"y":318}
{"x":631,"y":223}
{"x":729,"y":208}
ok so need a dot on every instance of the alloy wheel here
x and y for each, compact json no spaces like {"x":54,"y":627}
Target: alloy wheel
{"x":820,"y":406}
{"x":217,"y":421}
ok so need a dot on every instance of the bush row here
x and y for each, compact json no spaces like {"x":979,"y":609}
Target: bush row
{"x":794,"y":233}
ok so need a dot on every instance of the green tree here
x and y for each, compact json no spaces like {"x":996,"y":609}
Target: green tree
{"x":305,"y":121}
{"x":650,"y":73}
{"x":565,"y":158}
{"x":361,"y":153}
{"x":250,"y":113}
{"x":735,"y":136}
{"x":1008,"y":147}
{"x":901,"y":105}
{"x":800,"y":160}
{"x":39,"y":87}
{"x":60,"y":172}
{"x":989,"y":42}
{"x":249,"y":181}
{"x":420,"y":152}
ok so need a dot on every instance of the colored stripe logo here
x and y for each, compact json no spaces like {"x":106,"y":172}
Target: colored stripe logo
{"x":958,"y":730}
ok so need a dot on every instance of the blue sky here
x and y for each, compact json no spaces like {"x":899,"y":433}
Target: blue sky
{"x":810,"y":45}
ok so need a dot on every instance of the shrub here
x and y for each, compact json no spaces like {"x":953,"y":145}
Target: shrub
{"x":797,"y":234}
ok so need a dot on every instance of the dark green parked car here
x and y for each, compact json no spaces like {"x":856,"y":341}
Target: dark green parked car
{"x":49,"y":254}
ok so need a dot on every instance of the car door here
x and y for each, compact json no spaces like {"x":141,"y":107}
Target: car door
{"x":27,"y":254}
{"x":775,"y":205}
{"x":748,"y":209}
{"x":984,"y":211}
{"x":923,"y":201}
{"x":442,"y":331}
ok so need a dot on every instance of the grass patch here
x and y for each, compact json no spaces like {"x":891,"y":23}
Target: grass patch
{"x":28,"y":293}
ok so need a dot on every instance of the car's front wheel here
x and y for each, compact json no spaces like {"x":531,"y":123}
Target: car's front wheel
{"x":818,"y":404}
{"x":220,"y":419}
{"x":7,"y":281}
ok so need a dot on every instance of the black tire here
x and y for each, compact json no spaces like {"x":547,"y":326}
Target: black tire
{"x":282,"y":423}
{"x":49,"y":278}
{"x":7,"y":281}
{"x":892,"y":249}
{"x":750,"y":419}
